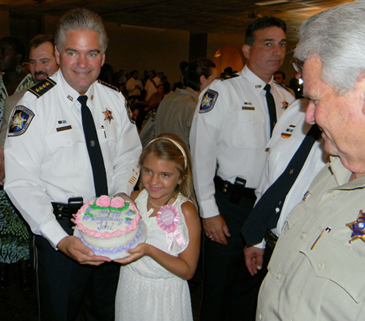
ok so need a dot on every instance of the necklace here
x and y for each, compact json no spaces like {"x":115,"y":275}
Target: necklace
{"x":155,"y":204}
{"x":149,"y":199}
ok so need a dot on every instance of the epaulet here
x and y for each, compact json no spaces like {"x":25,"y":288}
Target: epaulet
{"x":229,"y":77}
{"x":108,"y":85}
{"x":276,"y":83}
{"x":42,"y":87}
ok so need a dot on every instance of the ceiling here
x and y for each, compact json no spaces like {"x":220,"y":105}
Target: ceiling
{"x":200,"y":16}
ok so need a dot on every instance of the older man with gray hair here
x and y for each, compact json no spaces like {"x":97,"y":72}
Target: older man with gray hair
{"x":317,"y":269}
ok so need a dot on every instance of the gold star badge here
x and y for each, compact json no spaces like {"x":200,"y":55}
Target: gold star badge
{"x":108,"y":115}
{"x":17,"y":121}
{"x":358,"y":227}
{"x":285,"y":104}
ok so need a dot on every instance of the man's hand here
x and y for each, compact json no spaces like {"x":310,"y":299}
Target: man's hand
{"x":216,"y":229}
{"x":254,"y":257}
{"x":73,"y":247}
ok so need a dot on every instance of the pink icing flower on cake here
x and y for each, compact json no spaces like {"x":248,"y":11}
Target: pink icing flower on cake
{"x":117,"y":202}
{"x":103,"y":201}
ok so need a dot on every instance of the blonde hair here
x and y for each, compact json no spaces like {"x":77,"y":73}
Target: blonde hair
{"x":168,"y":147}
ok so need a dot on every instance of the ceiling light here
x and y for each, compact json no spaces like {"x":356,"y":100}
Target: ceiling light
{"x":270,"y":2}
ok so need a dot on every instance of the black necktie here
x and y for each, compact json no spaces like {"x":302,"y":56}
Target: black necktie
{"x":266,"y":212}
{"x":93,"y":147}
{"x":271,"y":107}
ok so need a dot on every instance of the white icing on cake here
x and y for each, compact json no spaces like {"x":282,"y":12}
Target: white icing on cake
{"x":108,"y":223}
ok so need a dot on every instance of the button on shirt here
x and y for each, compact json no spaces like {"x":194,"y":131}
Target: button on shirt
{"x":288,"y":135}
{"x":326,"y":282}
{"x":49,"y":162}
{"x":233,"y":134}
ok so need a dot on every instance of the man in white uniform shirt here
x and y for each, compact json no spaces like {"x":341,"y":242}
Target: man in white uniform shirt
{"x":42,"y":64}
{"x":289,"y":133}
{"x":49,"y":172}
{"x":229,"y":133}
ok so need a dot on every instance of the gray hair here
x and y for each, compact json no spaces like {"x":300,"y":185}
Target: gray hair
{"x":336,"y":36}
{"x":80,"y":19}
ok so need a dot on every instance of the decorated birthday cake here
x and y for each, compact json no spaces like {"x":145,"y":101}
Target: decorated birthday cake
{"x":108,"y":225}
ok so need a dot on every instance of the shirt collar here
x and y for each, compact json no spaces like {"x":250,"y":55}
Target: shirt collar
{"x":67,"y":91}
{"x":256,"y":81}
{"x":342,"y":175}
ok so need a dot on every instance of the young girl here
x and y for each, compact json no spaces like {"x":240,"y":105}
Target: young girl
{"x":154,"y":286}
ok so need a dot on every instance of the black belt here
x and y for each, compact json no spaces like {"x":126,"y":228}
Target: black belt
{"x":229,"y":188}
{"x":65,"y":211}
{"x":270,"y":237}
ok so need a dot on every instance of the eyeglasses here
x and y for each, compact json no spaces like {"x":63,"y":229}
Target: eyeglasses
{"x":297,"y":64}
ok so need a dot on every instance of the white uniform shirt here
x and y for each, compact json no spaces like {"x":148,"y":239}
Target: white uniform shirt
{"x":49,"y":162}
{"x":233,"y":134}
{"x":287,"y":136}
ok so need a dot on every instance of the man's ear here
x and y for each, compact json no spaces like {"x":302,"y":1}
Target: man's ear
{"x":246,"y":49}
{"x":57,"y":55}
{"x":360,"y":82}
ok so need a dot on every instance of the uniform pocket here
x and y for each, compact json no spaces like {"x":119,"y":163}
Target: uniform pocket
{"x":248,"y":129}
{"x":67,"y":152}
{"x":340,"y":264}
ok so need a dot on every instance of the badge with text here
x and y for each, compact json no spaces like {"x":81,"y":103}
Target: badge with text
{"x":168,"y":219}
{"x":358,"y":227}
{"x":20,"y":121}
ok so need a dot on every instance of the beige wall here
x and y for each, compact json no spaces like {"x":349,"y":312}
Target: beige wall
{"x":142,"y":48}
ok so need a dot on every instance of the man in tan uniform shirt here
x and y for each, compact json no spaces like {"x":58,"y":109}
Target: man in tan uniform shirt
{"x":317,"y":269}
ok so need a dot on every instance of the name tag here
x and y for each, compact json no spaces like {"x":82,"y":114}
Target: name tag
{"x":248,"y":108}
{"x":60,"y":129}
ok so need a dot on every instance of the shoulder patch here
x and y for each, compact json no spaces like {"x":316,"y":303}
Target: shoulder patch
{"x":129,"y":113}
{"x":20,"y":121}
{"x":208,"y":101}
{"x":108,"y":85}
{"x":42,"y":87}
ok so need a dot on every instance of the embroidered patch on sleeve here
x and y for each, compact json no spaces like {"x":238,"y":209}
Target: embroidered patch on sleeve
{"x":208,"y":101}
{"x":129,"y":113}
{"x":20,"y":121}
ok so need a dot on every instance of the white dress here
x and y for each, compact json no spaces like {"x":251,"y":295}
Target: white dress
{"x":146,"y":290}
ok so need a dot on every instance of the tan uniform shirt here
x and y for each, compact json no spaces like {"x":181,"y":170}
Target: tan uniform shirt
{"x":326,"y":282}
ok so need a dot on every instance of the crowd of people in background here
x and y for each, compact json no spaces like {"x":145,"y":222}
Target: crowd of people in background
{"x":238,"y":149}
